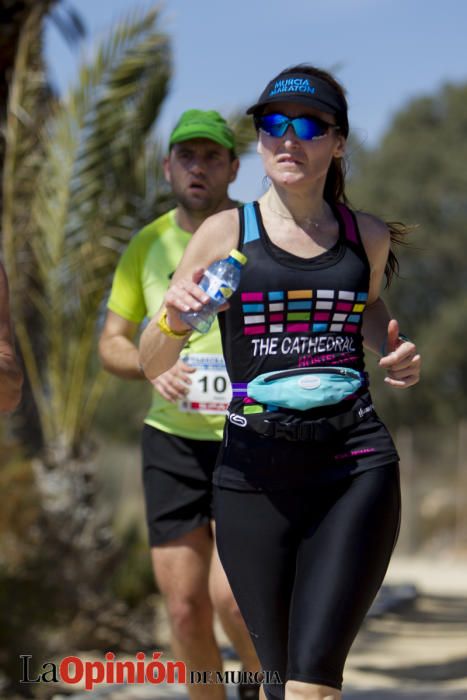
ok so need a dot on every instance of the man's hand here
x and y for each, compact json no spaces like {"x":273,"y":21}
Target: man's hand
{"x":174,"y":384}
{"x":401,"y":360}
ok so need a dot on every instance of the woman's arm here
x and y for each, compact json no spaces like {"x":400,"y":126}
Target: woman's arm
{"x":380,"y":332}
{"x":376,"y":240}
{"x":214,"y":239}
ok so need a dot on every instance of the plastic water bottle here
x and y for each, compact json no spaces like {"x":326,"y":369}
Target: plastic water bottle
{"x":219,"y":282}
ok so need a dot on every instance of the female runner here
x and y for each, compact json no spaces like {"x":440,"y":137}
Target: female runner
{"x":307,"y":482}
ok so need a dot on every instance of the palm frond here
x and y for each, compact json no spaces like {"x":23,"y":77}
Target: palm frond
{"x":120,"y":39}
{"x":92,"y":149}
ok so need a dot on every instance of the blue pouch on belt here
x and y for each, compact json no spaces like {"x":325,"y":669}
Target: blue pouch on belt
{"x":303,"y":389}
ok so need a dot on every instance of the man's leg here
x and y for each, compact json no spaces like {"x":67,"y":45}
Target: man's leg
{"x":181,"y":568}
{"x":178,"y":496}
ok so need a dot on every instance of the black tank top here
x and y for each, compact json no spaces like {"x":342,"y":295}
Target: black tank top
{"x":293,"y":312}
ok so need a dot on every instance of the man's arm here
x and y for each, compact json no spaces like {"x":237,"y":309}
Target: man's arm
{"x":11,"y":376}
{"x":117,"y":350}
{"x":120,"y":356}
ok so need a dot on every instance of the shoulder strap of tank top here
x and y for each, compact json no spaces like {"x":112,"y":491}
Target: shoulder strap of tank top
{"x":250,"y":223}
{"x":350,"y":225}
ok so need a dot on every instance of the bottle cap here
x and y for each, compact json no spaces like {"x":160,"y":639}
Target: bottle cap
{"x":239,"y":257}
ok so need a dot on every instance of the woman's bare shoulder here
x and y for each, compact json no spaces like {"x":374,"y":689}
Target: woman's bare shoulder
{"x":220,"y":232}
{"x":370,"y":225}
{"x":213,"y":240}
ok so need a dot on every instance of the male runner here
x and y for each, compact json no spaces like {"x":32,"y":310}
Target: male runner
{"x":184,"y":426}
{"x":11,"y":377}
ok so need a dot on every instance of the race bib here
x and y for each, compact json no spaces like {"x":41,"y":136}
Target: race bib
{"x":210,"y":391}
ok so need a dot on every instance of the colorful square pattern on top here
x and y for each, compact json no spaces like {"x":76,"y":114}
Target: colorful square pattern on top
{"x":302,"y":311}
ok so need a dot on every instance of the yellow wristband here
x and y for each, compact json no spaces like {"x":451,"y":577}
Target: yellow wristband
{"x":166,"y":329}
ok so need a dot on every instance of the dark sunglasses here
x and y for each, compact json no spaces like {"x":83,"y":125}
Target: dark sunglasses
{"x":306,"y":128}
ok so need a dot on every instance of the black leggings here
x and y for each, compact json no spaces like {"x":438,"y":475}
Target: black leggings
{"x":305,"y":566}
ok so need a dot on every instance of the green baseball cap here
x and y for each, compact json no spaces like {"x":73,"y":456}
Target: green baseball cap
{"x":197,"y":124}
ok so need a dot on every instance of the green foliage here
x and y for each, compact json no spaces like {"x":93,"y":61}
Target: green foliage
{"x":417,"y":175}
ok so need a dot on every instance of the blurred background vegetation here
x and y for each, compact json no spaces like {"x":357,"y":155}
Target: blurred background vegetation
{"x":80,"y":174}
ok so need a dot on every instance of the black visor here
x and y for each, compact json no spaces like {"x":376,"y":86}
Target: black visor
{"x":304,"y":89}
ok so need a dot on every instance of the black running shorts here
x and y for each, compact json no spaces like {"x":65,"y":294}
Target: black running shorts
{"x":177,"y":476}
{"x":305,"y":565}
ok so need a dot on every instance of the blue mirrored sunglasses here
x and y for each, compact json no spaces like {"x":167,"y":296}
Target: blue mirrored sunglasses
{"x":306,"y":128}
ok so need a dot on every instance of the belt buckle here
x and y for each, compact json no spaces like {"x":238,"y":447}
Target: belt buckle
{"x":306,"y":431}
{"x":315,"y":431}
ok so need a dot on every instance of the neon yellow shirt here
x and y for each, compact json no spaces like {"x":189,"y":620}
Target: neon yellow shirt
{"x":140,"y":282}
